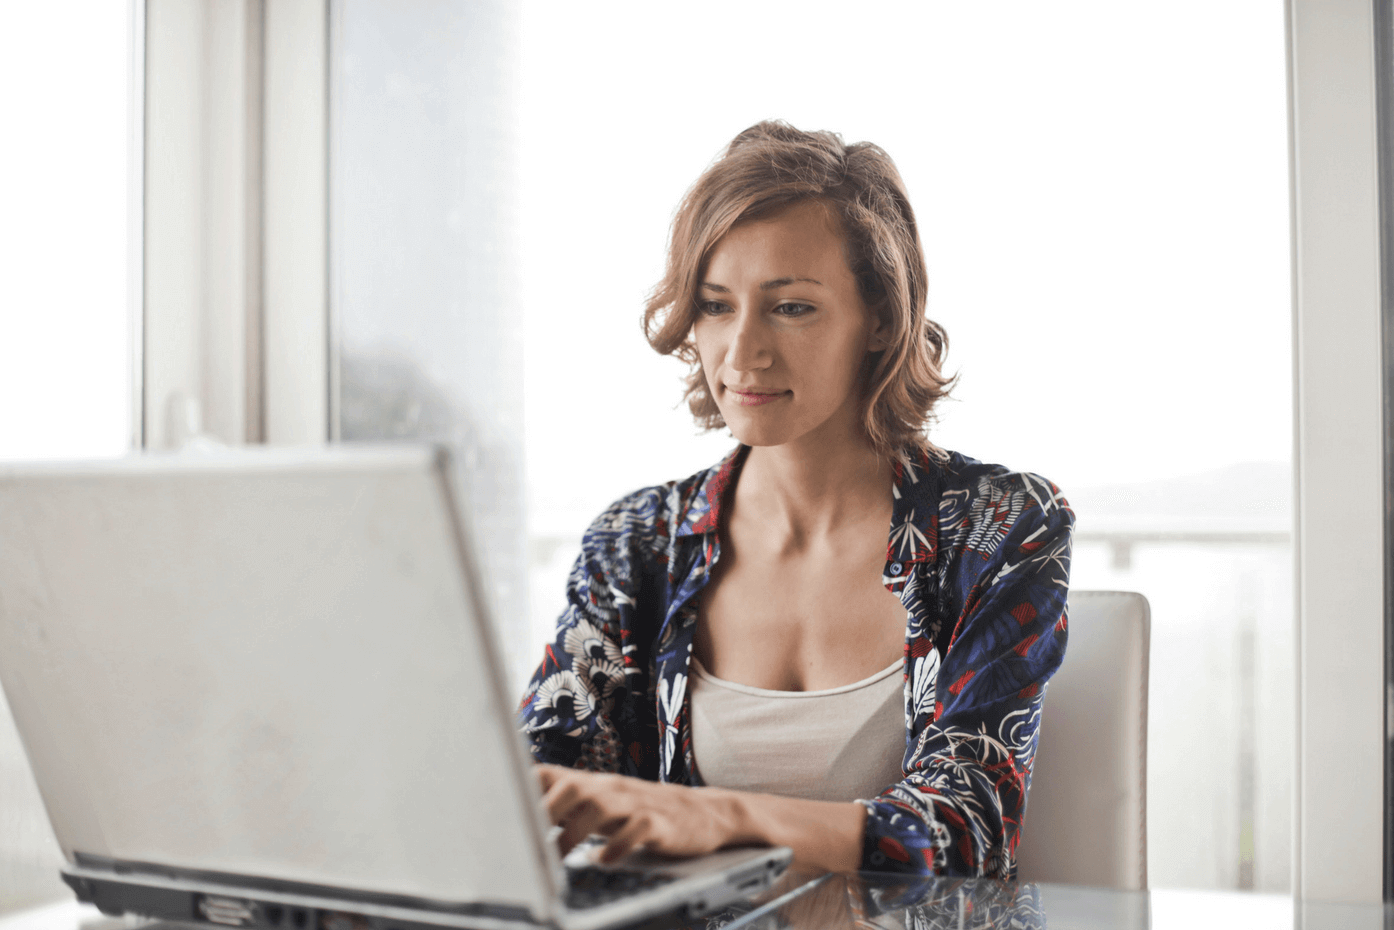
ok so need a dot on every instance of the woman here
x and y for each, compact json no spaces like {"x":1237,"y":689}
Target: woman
{"x":744,"y":623}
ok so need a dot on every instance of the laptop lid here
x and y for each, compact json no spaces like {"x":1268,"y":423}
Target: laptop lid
{"x":267,"y":663}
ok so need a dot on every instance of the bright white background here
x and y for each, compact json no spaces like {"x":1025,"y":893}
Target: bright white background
{"x":64,"y":364}
{"x":64,"y":358}
{"x":1101,"y":189}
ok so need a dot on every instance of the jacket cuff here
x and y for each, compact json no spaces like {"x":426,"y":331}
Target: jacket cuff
{"x":899,"y":842}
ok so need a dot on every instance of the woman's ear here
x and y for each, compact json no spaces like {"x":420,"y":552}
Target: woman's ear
{"x":879,"y":339}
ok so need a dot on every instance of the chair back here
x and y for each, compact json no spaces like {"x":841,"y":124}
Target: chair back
{"x":1086,"y":814}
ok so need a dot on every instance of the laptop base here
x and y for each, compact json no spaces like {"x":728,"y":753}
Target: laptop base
{"x":217,"y":900}
{"x":177,"y":895}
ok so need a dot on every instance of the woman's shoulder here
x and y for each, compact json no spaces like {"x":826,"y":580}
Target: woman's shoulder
{"x":965,"y":471}
{"x":970,"y":491}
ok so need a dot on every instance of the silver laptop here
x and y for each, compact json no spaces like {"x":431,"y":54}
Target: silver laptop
{"x":259,"y":688}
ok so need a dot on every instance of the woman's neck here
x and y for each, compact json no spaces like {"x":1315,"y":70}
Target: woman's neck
{"x":814,"y":492}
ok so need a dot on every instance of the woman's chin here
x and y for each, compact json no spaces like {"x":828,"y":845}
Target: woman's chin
{"x":755,"y":438}
{"x":753,"y":428}
{"x":758,"y":429}
{"x":766,"y":435}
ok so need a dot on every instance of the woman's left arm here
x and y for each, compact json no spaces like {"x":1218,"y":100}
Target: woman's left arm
{"x":977,"y":709}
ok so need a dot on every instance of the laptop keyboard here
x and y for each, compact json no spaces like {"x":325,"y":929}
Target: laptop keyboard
{"x":591,"y":886}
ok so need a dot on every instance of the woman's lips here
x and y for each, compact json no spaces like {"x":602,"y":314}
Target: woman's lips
{"x":755,"y":398}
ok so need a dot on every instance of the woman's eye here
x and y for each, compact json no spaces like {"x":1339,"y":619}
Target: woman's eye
{"x":794,"y":309}
{"x":711,"y":308}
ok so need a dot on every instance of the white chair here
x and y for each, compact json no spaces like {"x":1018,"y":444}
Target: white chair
{"x":1086,"y":816}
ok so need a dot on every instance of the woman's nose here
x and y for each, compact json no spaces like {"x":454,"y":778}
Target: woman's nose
{"x":749,"y":348}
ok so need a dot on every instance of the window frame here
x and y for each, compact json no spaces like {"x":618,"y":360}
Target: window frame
{"x":1339,"y":459}
{"x":233,"y":323}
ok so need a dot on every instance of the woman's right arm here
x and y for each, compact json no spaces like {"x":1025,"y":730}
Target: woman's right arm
{"x":585,"y":706}
{"x":678,"y":820}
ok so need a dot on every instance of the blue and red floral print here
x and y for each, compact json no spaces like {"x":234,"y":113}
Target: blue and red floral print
{"x":980,"y":557}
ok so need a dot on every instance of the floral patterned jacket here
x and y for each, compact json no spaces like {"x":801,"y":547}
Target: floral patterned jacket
{"x":980,"y":558}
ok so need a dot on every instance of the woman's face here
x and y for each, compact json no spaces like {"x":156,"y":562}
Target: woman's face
{"x":782,"y":331}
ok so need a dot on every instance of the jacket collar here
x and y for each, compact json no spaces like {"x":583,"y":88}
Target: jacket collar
{"x":914,"y":533}
{"x":704,"y":513}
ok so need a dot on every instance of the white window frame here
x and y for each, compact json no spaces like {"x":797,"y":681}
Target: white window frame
{"x":135,"y":224}
{"x":233,"y":337}
{"x":1338,"y":452}
{"x":296,"y":222}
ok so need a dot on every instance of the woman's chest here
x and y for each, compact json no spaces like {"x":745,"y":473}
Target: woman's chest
{"x":821,"y":620}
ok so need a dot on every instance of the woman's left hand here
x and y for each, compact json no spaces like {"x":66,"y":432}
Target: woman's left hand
{"x":673,"y":820}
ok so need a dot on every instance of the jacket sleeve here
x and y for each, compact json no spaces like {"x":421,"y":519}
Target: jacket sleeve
{"x":959,"y":809}
{"x":584,"y":706}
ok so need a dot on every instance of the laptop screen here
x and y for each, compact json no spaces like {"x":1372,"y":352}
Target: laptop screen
{"x":268,"y":663}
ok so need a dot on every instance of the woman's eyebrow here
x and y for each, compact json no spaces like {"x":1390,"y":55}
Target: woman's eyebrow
{"x":785,"y":282}
{"x":770,"y":285}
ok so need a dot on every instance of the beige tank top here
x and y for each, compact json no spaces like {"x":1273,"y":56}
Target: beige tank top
{"x":840,"y":744}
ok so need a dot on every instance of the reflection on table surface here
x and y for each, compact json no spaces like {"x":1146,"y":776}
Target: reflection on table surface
{"x":869,"y":901}
{"x":885,"y":902}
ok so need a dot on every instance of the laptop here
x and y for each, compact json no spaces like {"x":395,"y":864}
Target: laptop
{"x":259,"y":688}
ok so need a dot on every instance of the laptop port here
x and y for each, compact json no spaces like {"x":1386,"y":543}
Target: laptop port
{"x":299,"y":918}
{"x":230,"y":912}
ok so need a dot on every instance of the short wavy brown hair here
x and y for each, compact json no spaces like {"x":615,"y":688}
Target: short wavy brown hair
{"x":768,"y":167}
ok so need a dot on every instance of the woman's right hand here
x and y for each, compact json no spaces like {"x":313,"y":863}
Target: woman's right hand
{"x":676,"y":820}
{"x":631,"y":813}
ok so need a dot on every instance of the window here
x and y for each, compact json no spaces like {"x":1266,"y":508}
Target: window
{"x":428,"y":327}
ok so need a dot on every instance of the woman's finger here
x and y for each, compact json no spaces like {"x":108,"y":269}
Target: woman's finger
{"x":562,"y":799}
{"x":578,"y":825}
{"x":592,"y":816}
{"x":637,"y":830}
{"x":547,"y":775}
{"x":584,"y":805}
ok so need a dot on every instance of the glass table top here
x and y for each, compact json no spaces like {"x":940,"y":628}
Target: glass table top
{"x":883,"y":902}
{"x":887,"y":902}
